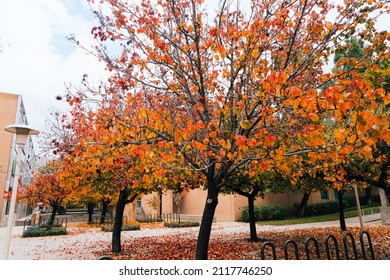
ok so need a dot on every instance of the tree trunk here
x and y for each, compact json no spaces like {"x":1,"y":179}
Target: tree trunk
{"x":118,"y":221}
{"x":55,"y":207}
{"x":383,"y":197}
{"x":104,"y":212}
{"x":341,"y":210}
{"x":368,"y":192}
{"x":90,"y":207}
{"x":252,"y":219}
{"x":206,"y":223}
{"x":302,"y":206}
{"x":387,"y":192}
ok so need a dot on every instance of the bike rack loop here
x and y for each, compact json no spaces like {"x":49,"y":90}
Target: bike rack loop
{"x":371,"y":249}
{"x":285,"y":249}
{"x":263,"y":246}
{"x":345,"y":241}
{"x":317,"y":248}
{"x":335,"y":245}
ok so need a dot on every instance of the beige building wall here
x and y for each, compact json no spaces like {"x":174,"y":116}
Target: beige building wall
{"x":130,"y":212}
{"x":12,"y":111}
{"x":192,"y":205}
{"x":230,"y":206}
{"x":228,"y":209}
{"x":8,"y":105}
{"x":150,"y":203}
{"x":194,"y":202}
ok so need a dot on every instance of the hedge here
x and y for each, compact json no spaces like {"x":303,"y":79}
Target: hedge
{"x":124,"y":228}
{"x":181,"y":224}
{"x":351,"y":200}
{"x":323,"y":208}
{"x":262,"y":213}
{"x":43,"y":231}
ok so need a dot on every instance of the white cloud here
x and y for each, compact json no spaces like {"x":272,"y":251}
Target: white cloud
{"x":37,"y":59}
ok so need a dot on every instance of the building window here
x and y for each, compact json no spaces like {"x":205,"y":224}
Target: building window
{"x":139,"y":203}
{"x":336,"y":194}
{"x":325,"y":195}
{"x":13,"y":168}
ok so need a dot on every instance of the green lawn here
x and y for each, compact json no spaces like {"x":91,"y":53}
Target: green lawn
{"x":323,"y":218}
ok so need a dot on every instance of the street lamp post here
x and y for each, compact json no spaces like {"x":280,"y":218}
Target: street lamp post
{"x":22,"y":132}
{"x":358,"y":208}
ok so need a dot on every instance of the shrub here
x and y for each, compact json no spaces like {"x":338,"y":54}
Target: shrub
{"x":271,"y":212}
{"x":124,"y":228}
{"x":42,"y":231}
{"x":46,"y":226}
{"x":351,"y":200}
{"x":181,"y":224}
{"x":322,"y":208}
{"x":274,"y":212}
{"x":150,"y":220}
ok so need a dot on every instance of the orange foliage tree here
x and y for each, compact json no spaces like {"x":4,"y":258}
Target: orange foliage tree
{"x":235,"y":90}
{"x":375,"y":170}
{"x":48,"y":188}
{"x":112,"y":158}
{"x":361,"y":124}
{"x":105,"y":154}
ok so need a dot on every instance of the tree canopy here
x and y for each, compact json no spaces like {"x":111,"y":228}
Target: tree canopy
{"x":207,"y":95}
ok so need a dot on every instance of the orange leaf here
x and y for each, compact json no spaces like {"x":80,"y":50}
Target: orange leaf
{"x":241,"y":140}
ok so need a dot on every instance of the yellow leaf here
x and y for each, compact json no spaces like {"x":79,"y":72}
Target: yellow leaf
{"x":352,"y":139}
{"x":340,"y":135}
{"x":245,"y":124}
{"x":255,"y":53}
{"x":367,"y":152}
{"x":314,"y":117}
{"x":228,"y":144}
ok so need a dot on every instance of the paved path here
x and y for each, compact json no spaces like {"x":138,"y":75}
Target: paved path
{"x":79,"y":243}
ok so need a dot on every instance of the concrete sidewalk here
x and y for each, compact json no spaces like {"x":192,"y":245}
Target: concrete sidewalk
{"x":81,"y":242}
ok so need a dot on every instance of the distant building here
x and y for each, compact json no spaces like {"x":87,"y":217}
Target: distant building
{"x":12,"y":112}
{"x":229,"y":206}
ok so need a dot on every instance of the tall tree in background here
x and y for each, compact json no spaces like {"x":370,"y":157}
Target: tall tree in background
{"x":372,"y":165}
{"x":353,"y":52}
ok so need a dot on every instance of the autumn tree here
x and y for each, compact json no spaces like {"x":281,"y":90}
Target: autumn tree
{"x":88,"y":188}
{"x":47,"y":187}
{"x":371,"y":165}
{"x":376,"y":172}
{"x":113,"y":154}
{"x":223,"y":89}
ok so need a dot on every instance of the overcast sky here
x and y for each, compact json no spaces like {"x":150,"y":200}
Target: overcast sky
{"x":37,"y":59}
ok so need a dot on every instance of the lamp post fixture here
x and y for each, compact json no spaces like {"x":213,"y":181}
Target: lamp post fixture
{"x":22,"y":132}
